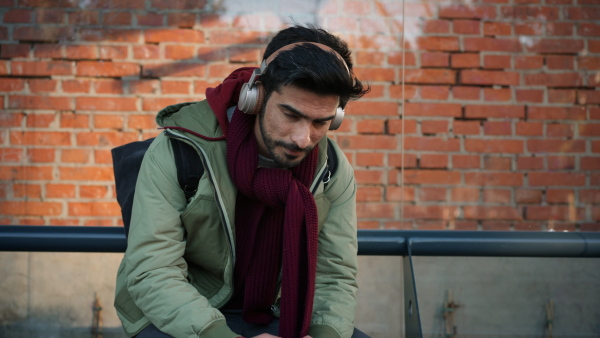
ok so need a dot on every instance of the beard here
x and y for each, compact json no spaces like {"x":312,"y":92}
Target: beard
{"x":283,"y":160}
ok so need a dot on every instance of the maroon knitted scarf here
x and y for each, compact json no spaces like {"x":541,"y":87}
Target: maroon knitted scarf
{"x":276,"y":227}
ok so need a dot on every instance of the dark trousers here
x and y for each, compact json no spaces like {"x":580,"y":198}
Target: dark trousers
{"x":237,"y":325}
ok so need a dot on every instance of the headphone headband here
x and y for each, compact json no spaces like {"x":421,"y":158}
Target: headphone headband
{"x":252,"y":93}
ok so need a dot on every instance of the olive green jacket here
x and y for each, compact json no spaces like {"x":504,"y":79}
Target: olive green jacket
{"x":178,"y":268}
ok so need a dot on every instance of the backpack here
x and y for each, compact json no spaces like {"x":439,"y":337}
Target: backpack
{"x":127,"y":160}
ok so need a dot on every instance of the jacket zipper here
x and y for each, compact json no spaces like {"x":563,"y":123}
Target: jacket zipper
{"x":221,"y":207}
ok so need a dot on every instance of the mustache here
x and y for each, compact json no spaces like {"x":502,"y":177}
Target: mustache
{"x":292,"y":146}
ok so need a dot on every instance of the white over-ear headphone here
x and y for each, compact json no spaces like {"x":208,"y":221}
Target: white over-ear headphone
{"x":252,"y":94}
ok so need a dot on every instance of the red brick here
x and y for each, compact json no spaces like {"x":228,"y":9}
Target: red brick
{"x":10,"y":155}
{"x":39,"y":102}
{"x":497,"y":61}
{"x":150,"y":19}
{"x":109,"y":121}
{"x":431,"y":144}
{"x":589,"y":196}
{"x":72,"y":120}
{"x":436,"y":161}
{"x":489,"y":77}
{"x":368,"y":142}
{"x":75,"y":155}
{"x":113,"y":53}
{"x":175,"y":87}
{"x":588,"y":62}
{"x":45,"y":16}
{"x":430,"y":76}
{"x":491,"y":45}
{"x":42,"y":85}
{"x":529,"y":128}
{"x":467,"y":27}
{"x":376,"y":108}
{"x":40,"y":120}
{"x":555,"y":212}
{"x":561,"y":162}
{"x":156,"y":104}
{"x":368,"y":176}
{"x":556,"y":46}
{"x":560,"y":130}
{"x":559,"y":29}
{"x":494,"y":179}
{"x":431,"y":177}
{"x":11,"y":85}
{"x":434,"y":59}
{"x":588,"y":97}
{"x":533,"y":95}
{"x":93,"y":191}
{"x":500,"y":94}
{"x":556,"y":113}
{"x":530,"y":163}
{"x":399,"y":58}
{"x":435,"y":92}
{"x":494,"y":146}
{"x":464,"y":194}
{"x":105,"y":139}
{"x":109,"y":35}
{"x":529,"y":28}
{"x":116,"y":19}
{"x":468,"y":12}
{"x":40,"y":138}
{"x":437,"y":43}
{"x":429,"y":212}
{"x":583,"y":13}
{"x":94,"y":209}
{"x":527,"y":196}
{"x":142,"y":122}
{"x":144,"y":87}
{"x":590,"y":163}
{"x":466,"y":127}
{"x":12,"y":51}
{"x":497,"y":163}
{"x":395,"y":160}
{"x":429,"y":194}
{"x":40,"y":155}
{"x":83,"y":17}
{"x":497,"y":196}
{"x":466,"y":93}
{"x":369,"y":194}
{"x":369,"y":58}
{"x":486,"y":213}
{"x":370,"y":126}
{"x":394,"y":193}
{"x":105,"y":156}
{"x":29,"y":191}
{"x":103,"y":86}
{"x":497,"y":225}
{"x":560,"y":196}
{"x":41,"y":68}
{"x":562,"y":96}
{"x":76,"y":86}
{"x":465,"y":60}
{"x":17,"y":16}
{"x":174,"y":69}
{"x":434,"y":126}
{"x":107,"y":69}
{"x":86,"y":173}
{"x":530,"y":12}
{"x":369,"y":159}
{"x":560,"y":62}
{"x":29,"y":208}
{"x":81,"y":52}
{"x":529,"y":62}
{"x":395,"y":126}
{"x":497,"y":28}
{"x":47,"y":34}
{"x":178,"y":52}
{"x":374,"y":74}
{"x":436,"y":26}
{"x":375,"y":210}
{"x":556,"y":179}
{"x":433,"y":109}
{"x":497,"y":128}
{"x":108,"y":104}
{"x":465,"y":162}
{"x":486,"y":111}
{"x":554,"y":80}
{"x":556,"y":146}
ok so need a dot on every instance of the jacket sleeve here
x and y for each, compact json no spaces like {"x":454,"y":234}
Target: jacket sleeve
{"x":336,"y":287}
{"x":154,"y":265}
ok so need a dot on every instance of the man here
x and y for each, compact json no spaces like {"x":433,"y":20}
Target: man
{"x":267,"y":246}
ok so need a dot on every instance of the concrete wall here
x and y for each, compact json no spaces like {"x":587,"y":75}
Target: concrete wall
{"x":51,"y":295}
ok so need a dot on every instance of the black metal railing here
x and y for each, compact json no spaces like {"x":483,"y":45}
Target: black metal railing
{"x":370,"y":242}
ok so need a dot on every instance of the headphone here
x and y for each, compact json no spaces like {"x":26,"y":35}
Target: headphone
{"x":252,"y":93}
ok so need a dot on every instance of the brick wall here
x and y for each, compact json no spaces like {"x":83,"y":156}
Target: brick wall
{"x":501,"y":125}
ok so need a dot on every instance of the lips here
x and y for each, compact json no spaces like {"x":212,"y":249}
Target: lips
{"x":294,"y":153}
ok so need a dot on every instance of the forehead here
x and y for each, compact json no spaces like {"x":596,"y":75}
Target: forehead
{"x":305,"y":101}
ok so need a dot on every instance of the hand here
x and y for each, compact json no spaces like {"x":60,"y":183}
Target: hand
{"x":266,"y":335}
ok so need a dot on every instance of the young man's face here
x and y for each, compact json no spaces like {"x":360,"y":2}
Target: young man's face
{"x":293,"y":121}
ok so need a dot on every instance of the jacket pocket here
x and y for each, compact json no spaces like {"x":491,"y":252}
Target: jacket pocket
{"x":124,"y":303}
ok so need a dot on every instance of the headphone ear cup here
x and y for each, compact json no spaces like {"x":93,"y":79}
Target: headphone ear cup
{"x":337,"y":120}
{"x":251,"y":99}
{"x":260,"y":98}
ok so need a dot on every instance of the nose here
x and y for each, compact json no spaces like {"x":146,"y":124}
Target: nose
{"x":301,"y":135}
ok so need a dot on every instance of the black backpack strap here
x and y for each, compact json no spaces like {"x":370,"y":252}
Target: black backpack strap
{"x":331,"y":167}
{"x":127,"y":160}
{"x":189,"y":167}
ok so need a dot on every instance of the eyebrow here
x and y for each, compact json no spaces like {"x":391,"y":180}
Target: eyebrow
{"x":301,"y":114}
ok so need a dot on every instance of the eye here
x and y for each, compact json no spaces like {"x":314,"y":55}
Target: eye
{"x":321,"y":123}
